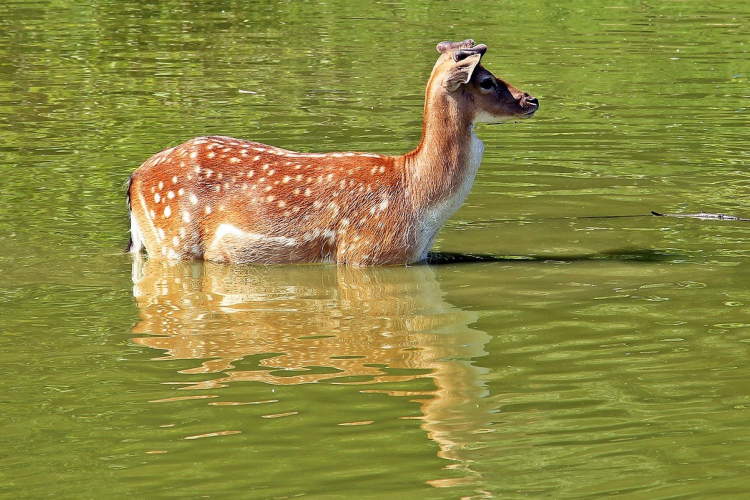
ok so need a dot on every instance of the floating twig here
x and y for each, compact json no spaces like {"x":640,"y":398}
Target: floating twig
{"x":702,"y":216}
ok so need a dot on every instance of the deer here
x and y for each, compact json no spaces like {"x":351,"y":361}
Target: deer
{"x":230,"y":200}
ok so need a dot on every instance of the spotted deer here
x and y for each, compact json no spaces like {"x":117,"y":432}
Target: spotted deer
{"x":231,"y":200}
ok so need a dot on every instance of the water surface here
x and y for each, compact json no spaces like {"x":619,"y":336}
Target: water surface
{"x":574,"y":356}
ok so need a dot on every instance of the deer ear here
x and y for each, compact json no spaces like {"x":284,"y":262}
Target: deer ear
{"x":461,"y":72}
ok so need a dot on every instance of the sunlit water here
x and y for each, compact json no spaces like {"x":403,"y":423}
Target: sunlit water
{"x":575,"y":355}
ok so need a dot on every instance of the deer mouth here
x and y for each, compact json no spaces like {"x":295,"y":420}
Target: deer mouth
{"x":528,"y":113}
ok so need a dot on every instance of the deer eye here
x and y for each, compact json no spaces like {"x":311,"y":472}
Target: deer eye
{"x":487,"y":83}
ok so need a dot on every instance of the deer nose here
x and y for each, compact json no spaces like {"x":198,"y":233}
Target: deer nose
{"x":529,"y":101}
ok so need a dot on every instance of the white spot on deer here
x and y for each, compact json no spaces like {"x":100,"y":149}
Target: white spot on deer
{"x":383,"y":204}
{"x":209,"y":173}
{"x":194,"y":155}
{"x":157,"y":197}
{"x":234,"y":160}
{"x":161,"y":185}
{"x":250,"y":174}
{"x":197,"y":169}
{"x":193,"y":199}
{"x":265,"y":167}
{"x":167,"y":211}
{"x":296,"y":191}
{"x":208,"y":209}
{"x":170,"y":194}
{"x":317,"y":204}
{"x":286,"y":179}
{"x":180,"y":192}
{"x":299,"y":177}
{"x":220,"y":175}
{"x":268,"y":188}
{"x":183,"y":232}
{"x":176,"y":241}
{"x":260,"y":150}
{"x":308,"y":192}
{"x":282,"y":204}
{"x":381,"y":169}
{"x":217,"y":188}
{"x":186,"y":216}
{"x":256,"y":158}
{"x":342,"y":184}
{"x":329,"y":177}
{"x":374,"y":170}
{"x":174,"y":180}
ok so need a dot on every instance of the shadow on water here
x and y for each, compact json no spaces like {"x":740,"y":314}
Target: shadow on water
{"x":624,"y":255}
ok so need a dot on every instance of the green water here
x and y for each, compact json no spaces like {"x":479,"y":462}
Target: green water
{"x":580,"y":358}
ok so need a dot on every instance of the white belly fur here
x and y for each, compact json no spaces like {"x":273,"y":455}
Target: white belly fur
{"x":235,"y":245}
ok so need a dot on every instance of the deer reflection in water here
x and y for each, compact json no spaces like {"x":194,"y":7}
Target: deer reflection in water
{"x":322,"y":323}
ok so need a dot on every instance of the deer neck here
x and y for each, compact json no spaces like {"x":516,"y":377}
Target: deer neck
{"x":442,"y":168}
